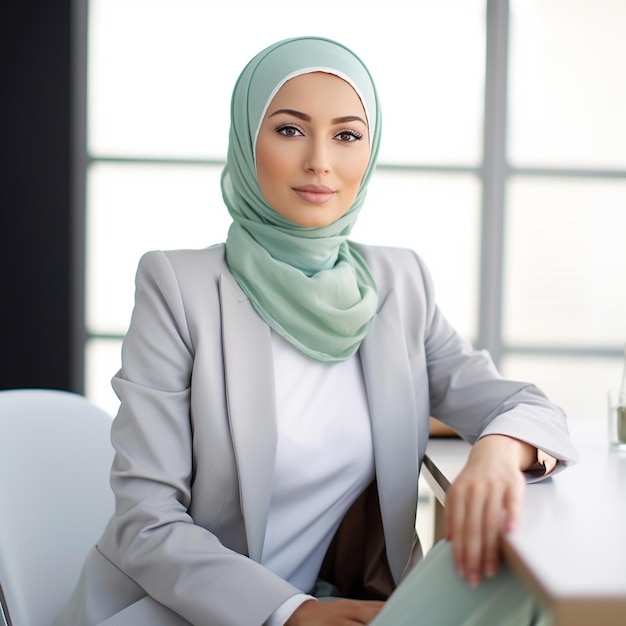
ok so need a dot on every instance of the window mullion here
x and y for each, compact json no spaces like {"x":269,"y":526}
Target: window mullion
{"x":80,"y":9}
{"x":494,"y":173}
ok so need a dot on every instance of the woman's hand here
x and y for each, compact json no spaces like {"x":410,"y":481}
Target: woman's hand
{"x":484,"y":501}
{"x":334,"y":613}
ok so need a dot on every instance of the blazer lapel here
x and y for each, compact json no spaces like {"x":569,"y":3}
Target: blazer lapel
{"x":250,"y":395}
{"x":394,"y":426}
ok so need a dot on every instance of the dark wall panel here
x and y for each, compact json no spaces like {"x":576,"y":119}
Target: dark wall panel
{"x":36,"y":235}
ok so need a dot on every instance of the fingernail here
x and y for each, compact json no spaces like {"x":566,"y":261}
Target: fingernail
{"x":473,"y":579}
{"x":490,"y":570}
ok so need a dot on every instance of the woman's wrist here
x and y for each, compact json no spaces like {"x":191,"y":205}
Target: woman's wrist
{"x":524,"y":454}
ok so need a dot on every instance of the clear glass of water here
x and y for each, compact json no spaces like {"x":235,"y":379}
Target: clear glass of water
{"x":617,"y":420}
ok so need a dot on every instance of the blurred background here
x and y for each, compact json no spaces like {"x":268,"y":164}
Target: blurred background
{"x":503,"y":165}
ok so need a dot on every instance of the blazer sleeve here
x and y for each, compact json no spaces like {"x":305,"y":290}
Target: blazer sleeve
{"x":468,"y":393}
{"x":154,"y":539}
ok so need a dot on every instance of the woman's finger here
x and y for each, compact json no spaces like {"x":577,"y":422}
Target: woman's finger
{"x":513,"y":503}
{"x":454,"y":523}
{"x":493,"y":520}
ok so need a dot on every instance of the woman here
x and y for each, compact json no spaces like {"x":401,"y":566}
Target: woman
{"x":276,"y":391}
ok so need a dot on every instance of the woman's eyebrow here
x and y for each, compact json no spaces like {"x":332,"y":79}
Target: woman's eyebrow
{"x":301,"y":116}
{"x":349,"y":118}
{"x":307,"y":118}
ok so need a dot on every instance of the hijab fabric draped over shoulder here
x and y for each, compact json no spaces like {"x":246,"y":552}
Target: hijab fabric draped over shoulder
{"x":307,"y":284}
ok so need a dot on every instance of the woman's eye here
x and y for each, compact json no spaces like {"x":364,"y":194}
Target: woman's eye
{"x":289,"y":131}
{"x":349,"y":135}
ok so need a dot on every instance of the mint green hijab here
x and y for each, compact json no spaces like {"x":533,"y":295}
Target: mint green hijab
{"x":307,"y":284}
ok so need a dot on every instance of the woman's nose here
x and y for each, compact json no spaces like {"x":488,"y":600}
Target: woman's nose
{"x":318,"y":160}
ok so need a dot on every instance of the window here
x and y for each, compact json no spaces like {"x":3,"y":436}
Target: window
{"x":518,"y":218}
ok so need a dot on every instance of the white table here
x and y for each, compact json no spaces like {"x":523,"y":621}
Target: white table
{"x":570,"y":543}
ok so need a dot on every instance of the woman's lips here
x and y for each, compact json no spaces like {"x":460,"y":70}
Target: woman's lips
{"x":315,"y":194}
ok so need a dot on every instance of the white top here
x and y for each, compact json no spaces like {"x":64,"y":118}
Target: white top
{"x":324,"y":460}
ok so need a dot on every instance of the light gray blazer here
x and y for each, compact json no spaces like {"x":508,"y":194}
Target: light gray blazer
{"x":195,"y":437}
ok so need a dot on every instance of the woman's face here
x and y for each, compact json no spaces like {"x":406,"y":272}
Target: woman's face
{"x":312,"y":149}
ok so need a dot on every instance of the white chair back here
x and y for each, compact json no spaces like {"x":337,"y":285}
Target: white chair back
{"x":55,"y":498}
